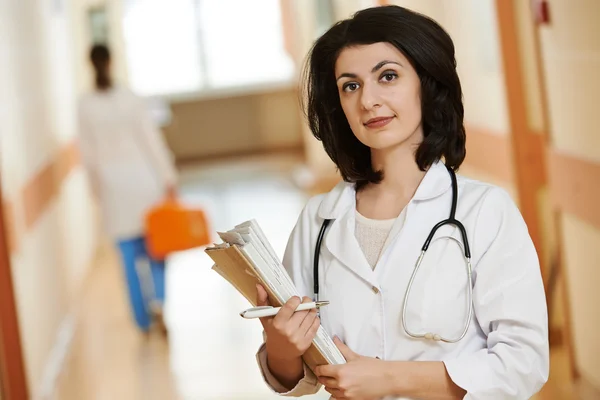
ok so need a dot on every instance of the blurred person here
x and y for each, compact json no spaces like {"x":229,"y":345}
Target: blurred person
{"x":465,"y":319}
{"x":130,"y":170}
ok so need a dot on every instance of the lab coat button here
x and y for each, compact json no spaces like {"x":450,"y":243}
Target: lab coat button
{"x":375,"y":290}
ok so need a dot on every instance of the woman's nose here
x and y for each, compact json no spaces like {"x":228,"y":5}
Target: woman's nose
{"x":370,"y":97}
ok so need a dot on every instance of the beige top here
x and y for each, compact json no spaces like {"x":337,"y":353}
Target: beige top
{"x":371,"y":235}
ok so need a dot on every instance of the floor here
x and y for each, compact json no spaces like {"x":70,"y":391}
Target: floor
{"x":209,"y":353}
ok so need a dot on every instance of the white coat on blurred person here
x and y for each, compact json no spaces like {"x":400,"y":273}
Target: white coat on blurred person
{"x":130,"y":170}
{"x":129,"y":165}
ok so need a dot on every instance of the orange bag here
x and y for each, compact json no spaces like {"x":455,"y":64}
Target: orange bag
{"x":171,"y":227}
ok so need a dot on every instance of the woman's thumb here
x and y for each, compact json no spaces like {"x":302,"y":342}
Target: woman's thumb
{"x":262,"y":297}
{"x":348,"y":354}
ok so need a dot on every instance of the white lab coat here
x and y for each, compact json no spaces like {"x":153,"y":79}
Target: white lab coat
{"x":128,"y":162}
{"x":505,"y":354}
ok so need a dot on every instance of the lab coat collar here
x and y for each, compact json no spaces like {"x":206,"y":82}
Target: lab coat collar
{"x":436,"y":182}
{"x":343,"y":196}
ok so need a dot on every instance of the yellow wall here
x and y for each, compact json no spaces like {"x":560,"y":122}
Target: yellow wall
{"x":571,"y":60}
{"x":37,"y":121}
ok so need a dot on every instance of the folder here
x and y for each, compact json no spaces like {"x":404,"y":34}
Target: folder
{"x":246,"y":258}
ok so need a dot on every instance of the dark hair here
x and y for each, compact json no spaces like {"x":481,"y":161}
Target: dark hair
{"x":100,"y":58}
{"x":431,"y":53}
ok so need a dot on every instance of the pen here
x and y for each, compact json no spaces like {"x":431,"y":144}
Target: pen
{"x":268,"y":311}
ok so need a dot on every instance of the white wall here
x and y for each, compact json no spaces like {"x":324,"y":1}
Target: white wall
{"x":38,"y":100}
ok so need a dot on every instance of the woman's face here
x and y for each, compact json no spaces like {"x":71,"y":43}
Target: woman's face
{"x":380,"y":94}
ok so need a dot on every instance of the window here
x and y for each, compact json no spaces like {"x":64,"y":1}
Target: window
{"x":98,"y":24}
{"x":178,"y":46}
{"x":161,"y":45}
{"x":245,"y":46}
{"x":325,"y":16}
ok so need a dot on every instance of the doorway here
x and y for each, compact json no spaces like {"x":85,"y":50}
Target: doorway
{"x":13,"y":384}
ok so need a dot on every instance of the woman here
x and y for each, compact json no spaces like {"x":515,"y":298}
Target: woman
{"x":385,"y":99}
{"x":130,"y":170}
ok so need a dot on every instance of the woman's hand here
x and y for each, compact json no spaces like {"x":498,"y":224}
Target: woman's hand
{"x":171,"y":192}
{"x":363,"y":378}
{"x":289,"y":333}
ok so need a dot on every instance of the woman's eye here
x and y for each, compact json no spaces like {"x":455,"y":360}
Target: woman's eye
{"x":389,"y":76}
{"x":350,"y":87}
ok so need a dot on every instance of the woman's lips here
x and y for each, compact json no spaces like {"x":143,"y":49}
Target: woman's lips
{"x":378,"y":122}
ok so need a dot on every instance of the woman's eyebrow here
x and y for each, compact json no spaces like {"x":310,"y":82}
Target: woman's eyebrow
{"x":376,"y":68}
{"x":384,"y":62}
{"x":346,"y":75}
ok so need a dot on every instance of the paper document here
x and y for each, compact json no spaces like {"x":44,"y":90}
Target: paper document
{"x":246,"y":258}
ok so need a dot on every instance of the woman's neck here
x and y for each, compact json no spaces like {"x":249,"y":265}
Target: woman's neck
{"x":401,"y":174}
{"x":401,"y":178}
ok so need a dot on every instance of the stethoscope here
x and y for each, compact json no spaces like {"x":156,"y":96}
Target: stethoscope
{"x":450,"y":221}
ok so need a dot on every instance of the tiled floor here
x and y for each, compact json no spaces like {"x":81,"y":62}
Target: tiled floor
{"x":209,"y":353}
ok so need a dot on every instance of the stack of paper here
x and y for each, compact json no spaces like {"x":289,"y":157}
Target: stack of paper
{"x":246,"y":258}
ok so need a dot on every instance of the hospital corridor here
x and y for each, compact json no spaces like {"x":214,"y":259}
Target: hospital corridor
{"x":210,"y":351}
{"x":113,"y":109}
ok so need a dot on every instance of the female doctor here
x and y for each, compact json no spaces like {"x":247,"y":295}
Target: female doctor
{"x":385,"y":99}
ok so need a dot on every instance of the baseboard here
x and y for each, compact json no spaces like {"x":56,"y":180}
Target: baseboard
{"x":58,"y":355}
{"x":56,"y":362}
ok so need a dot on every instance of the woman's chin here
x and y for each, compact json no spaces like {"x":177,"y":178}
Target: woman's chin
{"x":388,"y":140}
{"x":382,"y":144}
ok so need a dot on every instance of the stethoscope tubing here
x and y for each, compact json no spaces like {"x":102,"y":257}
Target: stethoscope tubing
{"x":467,"y":253}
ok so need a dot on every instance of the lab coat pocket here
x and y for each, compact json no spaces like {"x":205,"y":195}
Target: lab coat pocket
{"x":446,"y":295}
